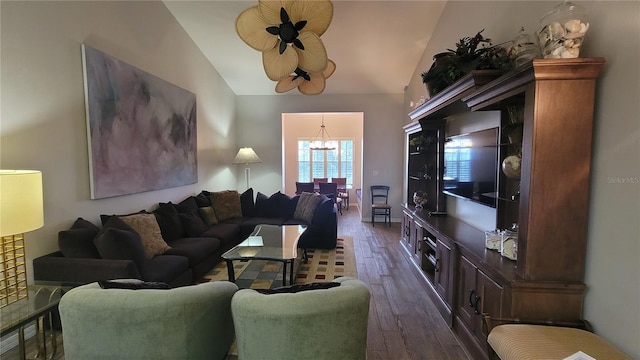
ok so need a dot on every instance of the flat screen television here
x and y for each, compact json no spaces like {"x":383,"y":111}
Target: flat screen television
{"x":471,"y":166}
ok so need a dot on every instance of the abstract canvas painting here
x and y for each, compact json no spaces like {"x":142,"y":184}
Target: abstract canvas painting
{"x":141,"y":129}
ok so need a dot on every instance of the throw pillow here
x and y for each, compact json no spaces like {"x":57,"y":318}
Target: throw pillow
{"x":226,"y":204}
{"x":203,"y":199}
{"x":118,"y":244}
{"x":81,"y":223}
{"x":246,"y":203}
{"x":306,"y":207}
{"x":273,"y":206}
{"x":78,"y":243}
{"x":208,"y":215}
{"x":298,"y":288}
{"x":169,"y":222}
{"x":147,"y":227}
{"x":187,"y":205}
{"x":132,"y":284}
{"x":262,"y":205}
{"x":286,"y":205}
{"x":193,"y":224}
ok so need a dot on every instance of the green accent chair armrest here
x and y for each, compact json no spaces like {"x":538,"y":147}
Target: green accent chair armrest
{"x":315,"y":324}
{"x":190,"y":322}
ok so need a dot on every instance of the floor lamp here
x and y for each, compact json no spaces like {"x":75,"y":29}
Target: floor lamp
{"x":247,"y":156}
{"x":20,"y":211}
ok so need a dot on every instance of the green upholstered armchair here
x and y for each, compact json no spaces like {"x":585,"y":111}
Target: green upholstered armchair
{"x":315,"y":324}
{"x":191,"y":322}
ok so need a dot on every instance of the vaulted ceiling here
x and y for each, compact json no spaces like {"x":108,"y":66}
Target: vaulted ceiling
{"x":376,"y":45}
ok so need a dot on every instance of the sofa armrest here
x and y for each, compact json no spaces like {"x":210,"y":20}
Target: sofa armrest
{"x":55,"y":267}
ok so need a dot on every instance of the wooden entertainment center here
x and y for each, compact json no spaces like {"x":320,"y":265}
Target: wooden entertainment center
{"x":549,"y":202}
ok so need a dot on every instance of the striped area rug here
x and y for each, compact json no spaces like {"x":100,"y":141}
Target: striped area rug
{"x":323,"y":265}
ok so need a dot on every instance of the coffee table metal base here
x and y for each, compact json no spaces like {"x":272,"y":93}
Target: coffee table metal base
{"x":285,"y":263}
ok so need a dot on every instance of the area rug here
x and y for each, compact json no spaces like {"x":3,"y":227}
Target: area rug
{"x":322,"y":265}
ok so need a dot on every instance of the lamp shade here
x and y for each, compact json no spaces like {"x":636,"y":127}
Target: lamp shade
{"x":246,"y":155}
{"x":20,"y":201}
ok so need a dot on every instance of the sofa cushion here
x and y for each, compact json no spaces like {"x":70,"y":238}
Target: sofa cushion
{"x":81,"y":223}
{"x":147,"y":227}
{"x":119,"y":244}
{"x":306,"y":207}
{"x":246,"y":203}
{"x":226,"y":204}
{"x":227,"y":233}
{"x":78,"y":243}
{"x":165,"y":268}
{"x":203,"y":199}
{"x":169,"y":222}
{"x":187,"y":205}
{"x":192,"y":223}
{"x":286,"y":204}
{"x":195,"y":249}
{"x":324,"y":211}
{"x":276,"y":205}
{"x":208,"y":215}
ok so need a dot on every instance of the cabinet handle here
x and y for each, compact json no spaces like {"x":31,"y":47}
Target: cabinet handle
{"x":475,"y":306}
{"x":437,"y":265}
{"x":471,"y":291}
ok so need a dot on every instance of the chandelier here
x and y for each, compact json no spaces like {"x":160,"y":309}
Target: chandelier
{"x":320,"y":142}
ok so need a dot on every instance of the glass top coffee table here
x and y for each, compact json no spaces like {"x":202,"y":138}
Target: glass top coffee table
{"x":268,"y":242}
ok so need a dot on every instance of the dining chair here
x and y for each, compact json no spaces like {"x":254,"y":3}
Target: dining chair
{"x":343,"y":192}
{"x":304,"y":187}
{"x":317,"y":181}
{"x":380,"y":203}
{"x":330,"y":190}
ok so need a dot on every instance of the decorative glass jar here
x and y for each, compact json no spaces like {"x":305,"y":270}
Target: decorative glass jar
{"x":562,"y":31}
{"x":420,"y":199}
{"x":523,"y":49}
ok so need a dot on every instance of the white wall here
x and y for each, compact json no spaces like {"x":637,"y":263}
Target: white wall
{"x":612,"y":300}
{"x":260,"y":127}
{"x":43,"y":117}
{"x":306,"y":126}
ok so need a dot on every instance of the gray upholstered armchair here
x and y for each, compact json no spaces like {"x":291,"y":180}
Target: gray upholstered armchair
{"x":315,"y":324}
{"x":191,"y":322}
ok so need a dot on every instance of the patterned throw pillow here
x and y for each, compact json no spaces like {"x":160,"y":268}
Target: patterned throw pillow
{"x":147,"y":227}
{"x":306,"y":206}
{"x":226,"y":204}
{"x":208,"y":215}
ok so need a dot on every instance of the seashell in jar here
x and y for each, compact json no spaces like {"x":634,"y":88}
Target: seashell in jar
{"x":572,"y":25}
{"x":556,"y":30}
{"x":578,"y":34}
{"x":570,"y":53}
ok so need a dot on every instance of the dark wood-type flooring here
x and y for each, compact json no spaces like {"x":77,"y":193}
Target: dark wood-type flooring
{"x":403,"y":322}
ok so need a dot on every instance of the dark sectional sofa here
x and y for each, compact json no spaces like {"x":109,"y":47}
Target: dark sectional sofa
{"x":194,"y":234}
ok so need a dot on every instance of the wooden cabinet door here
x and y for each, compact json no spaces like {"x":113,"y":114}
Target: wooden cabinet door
{"x":491,"y":302}
{"x":406,"y":227}
{"x":466,"y":292}
{"x":443,"y":275}
{"x":417,"y":249}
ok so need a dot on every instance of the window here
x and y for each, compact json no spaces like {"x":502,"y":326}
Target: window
{"x":325,"y":163}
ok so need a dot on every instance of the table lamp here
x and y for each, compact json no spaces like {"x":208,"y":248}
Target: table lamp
{"x":247,"y":156}
{"x":20,"y":211}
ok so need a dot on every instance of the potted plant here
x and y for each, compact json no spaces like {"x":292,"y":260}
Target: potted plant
{"x":471,"y":53}
{"x":421,"y":142}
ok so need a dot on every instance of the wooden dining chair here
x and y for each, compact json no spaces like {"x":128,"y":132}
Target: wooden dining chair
{"x":379,"y":203}
{"x":317,"y":181}
{"x":343,"y":192}
{"x":304,"y":187}
{"x":330,"y":190}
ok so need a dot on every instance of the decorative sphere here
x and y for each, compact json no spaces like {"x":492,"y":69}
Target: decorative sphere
{"x":511,"y":166}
